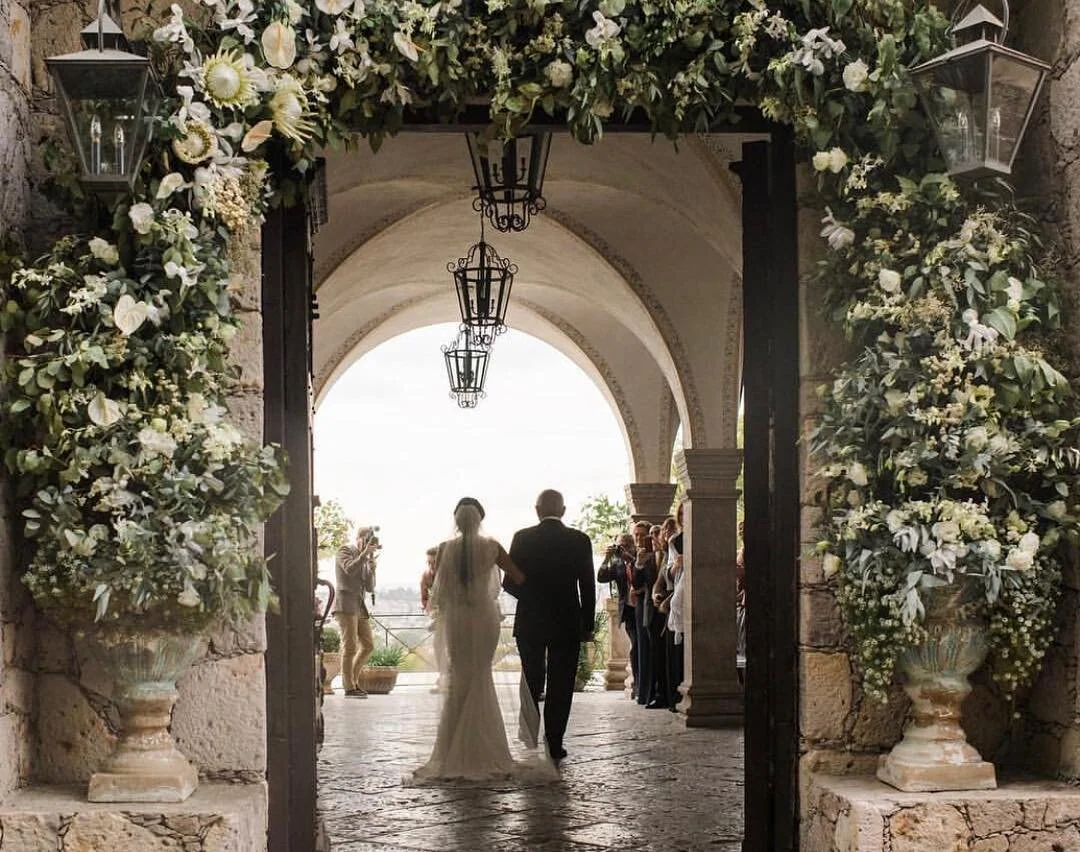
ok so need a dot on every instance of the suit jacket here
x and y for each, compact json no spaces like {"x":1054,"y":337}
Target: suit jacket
{"x":558,"y":599}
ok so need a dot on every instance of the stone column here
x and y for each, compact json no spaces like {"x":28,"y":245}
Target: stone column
{"x":618,"y":649}
{"x":650,"y":501}
{"x":712,"y":695}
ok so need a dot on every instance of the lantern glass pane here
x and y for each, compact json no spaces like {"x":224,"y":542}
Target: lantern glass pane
{"x":1013,"y":88}
{"x":956,"y":100}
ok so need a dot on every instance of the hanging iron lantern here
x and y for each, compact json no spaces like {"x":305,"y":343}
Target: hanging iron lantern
{"x":108,"y":98}
{"x":466,"y":366}
{"x":483,"y":280}
{"x":509,"y":178}
{"x":980,"y":95}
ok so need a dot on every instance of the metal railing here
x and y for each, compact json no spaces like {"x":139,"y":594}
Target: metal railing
{"x":414,"y":631}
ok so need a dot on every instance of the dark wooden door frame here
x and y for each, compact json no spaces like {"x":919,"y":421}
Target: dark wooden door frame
{"x":770,"y":379}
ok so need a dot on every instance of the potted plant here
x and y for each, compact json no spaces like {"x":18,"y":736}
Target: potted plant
{"x":331,"y":656}
{"x":379,"y":676}
{"x":590,"y":651}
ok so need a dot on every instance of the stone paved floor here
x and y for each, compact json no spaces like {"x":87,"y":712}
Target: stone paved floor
{"x":635,"y":779}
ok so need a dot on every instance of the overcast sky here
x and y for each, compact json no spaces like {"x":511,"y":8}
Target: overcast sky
{"x":397,"y":451}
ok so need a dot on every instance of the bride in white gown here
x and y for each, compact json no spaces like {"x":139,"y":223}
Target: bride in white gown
{"x":471,"y":743}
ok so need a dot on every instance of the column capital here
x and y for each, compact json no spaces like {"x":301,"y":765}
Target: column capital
{"x":650,"y":501}
{"x":708,"y":472}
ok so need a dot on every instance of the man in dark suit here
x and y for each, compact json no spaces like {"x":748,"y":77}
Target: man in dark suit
{"x":555,"y":611}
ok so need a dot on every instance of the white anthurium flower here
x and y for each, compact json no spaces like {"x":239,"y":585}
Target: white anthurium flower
{"x":559,"y":73}
{"x":838,"y":236}
{"x":142,"y":217}
{"x":830,"y":565}
{"x":103,"y":411}
{"x":604,"y":31}
{"x":1029,"y":543}
{"x":104,"y":251}
{"x":1057,"y":510}
{"x":837,"y":160}
{"x":406,"y":47}
{"x":332,"y":7}
{"x":189,"y":597}
{"x":889,"y":280}
{"x":256,"y":136}
{"x":855,"y":76}
{"x":128,"y":314}
{"x":857,"y":474}
{"x":169,"y":184}
{"x":279,"y":45}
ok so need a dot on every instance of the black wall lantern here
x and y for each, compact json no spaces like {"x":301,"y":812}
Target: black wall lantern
{"x":483,"y":280}
{"x":466,"y":366}
{"x":509,"y":178}
{"x":980,"y":95}
{"x":108,"y":98}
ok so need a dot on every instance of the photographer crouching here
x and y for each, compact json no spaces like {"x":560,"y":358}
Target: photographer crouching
{"x":355,"y":573}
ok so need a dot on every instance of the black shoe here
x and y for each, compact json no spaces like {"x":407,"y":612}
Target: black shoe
{"x":557,"y":754}
{"x":656,"y":705}
{"x":355,"y":693}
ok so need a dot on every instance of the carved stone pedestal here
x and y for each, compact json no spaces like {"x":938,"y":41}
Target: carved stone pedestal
{"x":618,"y":650}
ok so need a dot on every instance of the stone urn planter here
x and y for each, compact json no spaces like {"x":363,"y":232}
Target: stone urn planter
{"x":146,"y":765}
{"x":934,"y":754}
{"x":378,"y":680}
{"x":331,"y":661}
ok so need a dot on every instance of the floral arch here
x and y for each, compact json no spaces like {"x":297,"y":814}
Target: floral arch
{"x":946,"y":444}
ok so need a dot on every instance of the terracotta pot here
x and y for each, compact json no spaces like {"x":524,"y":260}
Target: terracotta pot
{"x":146,"y":765}
{"x":331,"y":661}
{"x":934,"y":753}
{"x":378,"y":680}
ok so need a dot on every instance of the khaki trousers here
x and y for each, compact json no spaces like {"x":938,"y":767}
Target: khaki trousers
{"x":356,"y":646}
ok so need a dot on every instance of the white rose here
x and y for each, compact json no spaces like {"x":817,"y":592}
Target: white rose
{"x":837,"y":160}
{"x":857,"y":474}
{"x":1019,"y":560}
{"x":169,"y":184}
{"x":946,"y":531}
{"x":279,"y":45}
{"x":821,"y":161}
{"x":1057,"y":510}
{"x":128,"y":314}
{"x":830,"y":565}
{"x":993,"y":549}
{"x":889,"y":280}
{"x":142,"y":217}
{"x":103,"y":411}
{"x":1029,"y":543}
{"x":560,"y":73}
{"x":104,"y":251}
{"x":855,"y":74}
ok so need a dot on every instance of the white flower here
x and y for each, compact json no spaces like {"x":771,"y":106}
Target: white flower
{"x":821,"y":161}
{"x":289,"y":106}
{"x":332,"y":7}
{"x":104,"y":251}
{"x":855,"y":75}
{"x":857,"y":474}
{"x":977,"y":438}
{"x":169,"y":184}
{"x":948,"y":531}
{"x":1057,"y":510}
{"x":142,"y":217}
{"x":889,"y":280}
{"x":103,"y":411}
{"x":1015,"y":289}
{"x":895,"y":400}
{"x":979,"y":335}
{"x":198,"y":143}
{"x":603,"y":32}
{"x":157,"y":442}
{"x":830,"y":565}
{"x":1029,"y":543}
{"x":279,"y":45}
{"x":188,"y":597}
{"x":405,"y":46}
{"x":993,"y":548}
{"x":560,"y":73}
{"x":895,"y":520}
{"x":837,"y":160}
{"x":128,"y":314}
{"x":838,"y":236}
{"x":256,"y":136}
{"x":1019,"y":560}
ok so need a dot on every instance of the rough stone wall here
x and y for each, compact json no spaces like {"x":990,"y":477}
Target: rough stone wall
{"x":220,"y":718}
{"x":16,"y":638}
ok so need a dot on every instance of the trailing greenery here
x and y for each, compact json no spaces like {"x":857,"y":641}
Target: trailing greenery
{"x":945,"y":445}
{"x":332,"y":527}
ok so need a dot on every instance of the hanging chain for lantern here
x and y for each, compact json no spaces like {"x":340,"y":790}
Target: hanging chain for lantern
{"x":483,"y":280}
{"x":980,"y":95}
{"x":509,"y":178}
{"x":467,"y":362}
{"x":108,"y":98}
